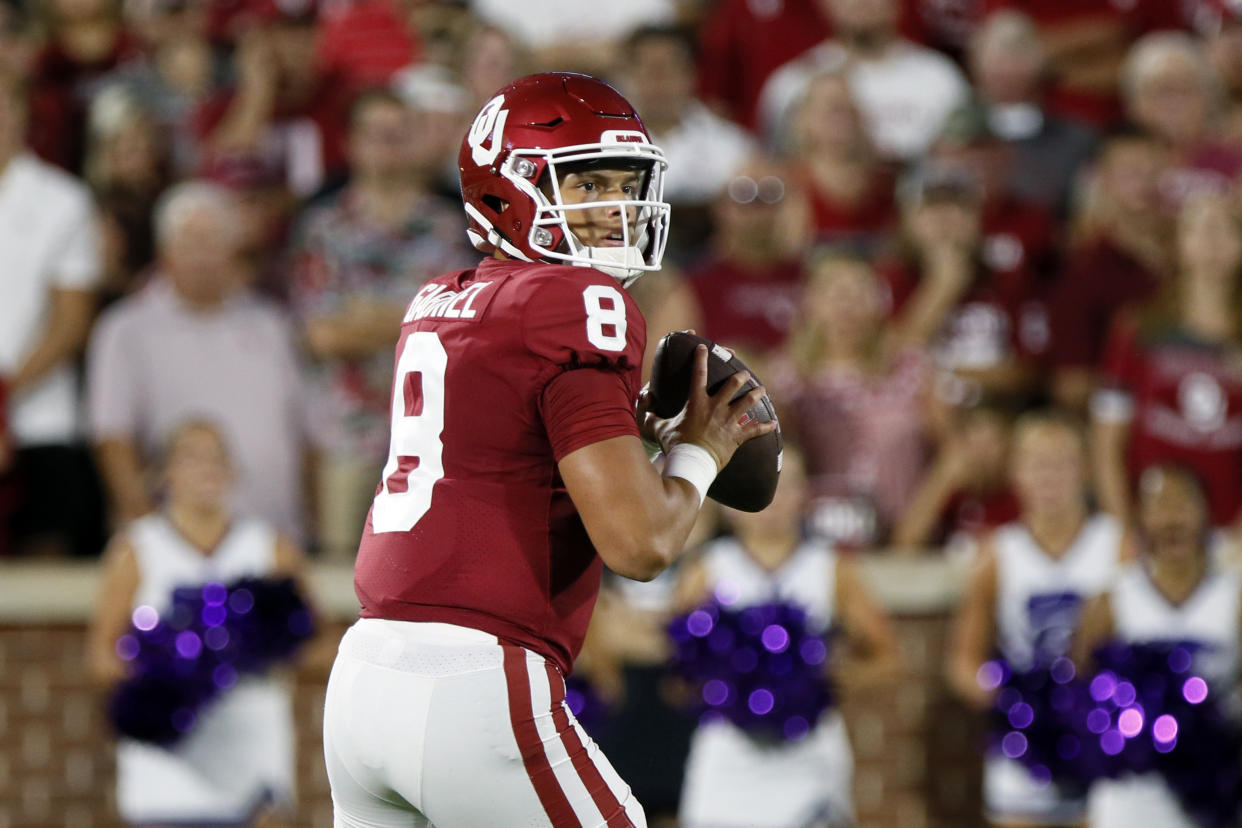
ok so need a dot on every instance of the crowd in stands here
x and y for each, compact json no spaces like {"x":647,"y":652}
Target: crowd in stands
{"x":918,"y":218}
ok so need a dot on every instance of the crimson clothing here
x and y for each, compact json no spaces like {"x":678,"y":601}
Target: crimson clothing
{"x":973,"y":513}
{"x":1018,"y":235}
{"x":366,"y":42}
{"x":998,"y":318}
{"x":744,"y":41}
{"x":1182,"y":398}
{"x":872,"y":216}
{"x":501,"y":371}
{"x":1099,"y":280}
{"x":307,"y":143}
{"x":1209,"y":168}
{"x":744,"y":307}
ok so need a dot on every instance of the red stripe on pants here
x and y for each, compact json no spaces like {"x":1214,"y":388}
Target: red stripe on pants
{"x":521,"y":715}
{"x":604,"y":798}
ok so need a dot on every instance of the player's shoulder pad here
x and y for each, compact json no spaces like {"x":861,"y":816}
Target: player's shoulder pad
{"x":579,"y":316}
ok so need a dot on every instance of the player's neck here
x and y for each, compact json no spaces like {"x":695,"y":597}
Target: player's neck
{"x":202,"y":527}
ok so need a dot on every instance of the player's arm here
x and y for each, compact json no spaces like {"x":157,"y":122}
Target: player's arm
{"x":118,"y":582}
{"x":637,"y":517}
{"x":971,"y":634}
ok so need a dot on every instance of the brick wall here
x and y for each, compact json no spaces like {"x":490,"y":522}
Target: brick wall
{"x":916,"y":752}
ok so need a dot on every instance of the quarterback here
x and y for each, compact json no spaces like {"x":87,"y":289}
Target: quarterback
{"x":515,"y":472}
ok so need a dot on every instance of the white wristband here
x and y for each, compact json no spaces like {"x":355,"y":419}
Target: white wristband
{"x":693,"y":464}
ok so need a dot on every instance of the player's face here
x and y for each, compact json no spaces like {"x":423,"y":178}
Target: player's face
{"x":1048,"y":471}
{"x":602,"y":226}
{"x":198,"y":471}
{"x":1172,"y":516}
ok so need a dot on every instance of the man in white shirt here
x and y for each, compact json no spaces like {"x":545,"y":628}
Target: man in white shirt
{"x":904,"y":90}
{"x":51,"y":263}
{"x":197,"y":344}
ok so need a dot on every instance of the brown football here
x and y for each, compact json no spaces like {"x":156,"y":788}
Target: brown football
{"x":748,"y":482}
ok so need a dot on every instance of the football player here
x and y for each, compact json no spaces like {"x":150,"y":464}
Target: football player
{"x":516,"y":470}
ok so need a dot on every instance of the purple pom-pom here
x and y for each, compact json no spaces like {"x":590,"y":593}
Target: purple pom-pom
{"x":180,"y":663}
{"x":760,"y":667}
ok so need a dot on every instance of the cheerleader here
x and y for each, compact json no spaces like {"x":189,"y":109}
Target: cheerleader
{"x":1024,"y":600}
{"x":1172,"y":595}
{"x":238,"y":760}
{"x":732,"y":777}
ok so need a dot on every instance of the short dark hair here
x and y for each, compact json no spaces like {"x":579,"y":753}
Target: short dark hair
{"x":375,"y":94}
{"x":682,"y":36}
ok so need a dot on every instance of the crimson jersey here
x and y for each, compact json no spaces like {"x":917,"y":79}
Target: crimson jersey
{"x":501,"y":371}
{"x":1183,"y":400}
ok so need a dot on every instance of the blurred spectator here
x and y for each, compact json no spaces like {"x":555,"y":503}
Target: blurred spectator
{"x":1018,"y":235}
{"x":48,"y":233}
{"x":734,"y":777}
{"x":175,"y":73}
{"x":562,"y":36}
{"x":8,"y":486}
{"x":86,"y":39}
{"x":282,"y":108}
{"x":1220,"y":24}
{"x":127,"y":168}
{"x":265,"y":209}
{"x":1173,"y":595}
{"x":945,"y":25}
{"x":238,"y":759}
{"x":1024,"y":599}
{"x":980,"y":322}
{"x":358,"y":258}
{"x":365,"y":42}
{"x":1119,"y":259}
{"x":856,"y":397}
{"x":1172,"y":91}
{"x":749,"y":286}
{"x":744,"y":42}
{"x":966,"y":491}
{"x":489,"y":60}
{"x":17,"y":46}
{"x":849,"y":192}
{"x":1007,"y":63}
{"x":1086,"y":42}
{"x":703,"y":149}
{"x":196,"y":343}
{"x":903,"y":90}
{"x":1172,"y":391}
{"x":440,"y":106}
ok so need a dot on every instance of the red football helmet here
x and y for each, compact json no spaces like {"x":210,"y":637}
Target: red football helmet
{"x":516,"y":151}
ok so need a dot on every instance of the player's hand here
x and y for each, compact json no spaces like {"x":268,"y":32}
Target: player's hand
{"x":712,"y":422}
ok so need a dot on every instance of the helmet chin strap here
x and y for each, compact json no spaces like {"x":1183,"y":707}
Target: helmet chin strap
{"x":621,"y":263}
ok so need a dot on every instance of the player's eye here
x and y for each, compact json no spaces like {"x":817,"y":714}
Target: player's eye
{"x":587,"y":186}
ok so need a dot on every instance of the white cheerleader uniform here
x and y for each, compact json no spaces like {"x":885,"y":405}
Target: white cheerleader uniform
{"x":1038,"y":605}
{"x":240,"y":753}
{"x":733,"y":779}
{"x":1207,"y":620}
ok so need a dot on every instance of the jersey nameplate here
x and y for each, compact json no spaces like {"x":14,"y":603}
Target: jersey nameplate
{"x":437,"y":301}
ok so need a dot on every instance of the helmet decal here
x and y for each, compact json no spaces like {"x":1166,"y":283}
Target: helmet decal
{"x":488,"y":126}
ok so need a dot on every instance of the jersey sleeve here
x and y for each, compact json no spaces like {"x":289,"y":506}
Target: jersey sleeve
{"x":581,"y":318}
{"x":590,"y":336}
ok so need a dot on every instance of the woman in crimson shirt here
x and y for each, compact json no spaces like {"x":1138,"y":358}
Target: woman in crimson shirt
{"x":1173,"y":372}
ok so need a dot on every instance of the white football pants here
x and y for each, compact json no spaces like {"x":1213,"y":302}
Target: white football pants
{"x":440,"y":725}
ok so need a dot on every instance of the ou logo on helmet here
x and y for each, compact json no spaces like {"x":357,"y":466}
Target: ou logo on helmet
{"x":486,"y":131}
